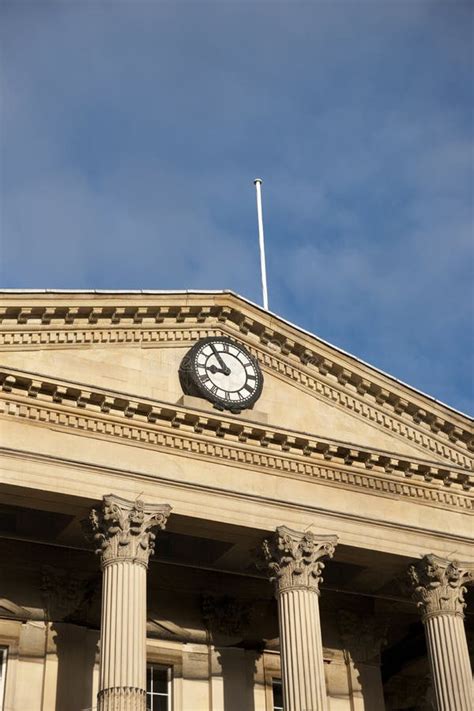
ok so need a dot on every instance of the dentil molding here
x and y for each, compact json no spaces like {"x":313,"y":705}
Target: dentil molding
{"x":196,"y":433}
{"x":349,"y":388}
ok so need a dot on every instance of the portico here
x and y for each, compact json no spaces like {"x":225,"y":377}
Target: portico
{"x":336,"y":465}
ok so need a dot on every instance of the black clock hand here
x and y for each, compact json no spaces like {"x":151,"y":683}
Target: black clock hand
{"x":213,"y":369}
{"x":224,"y":367}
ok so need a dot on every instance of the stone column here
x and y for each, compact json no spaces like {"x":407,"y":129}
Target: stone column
{"x":295,"y":563}
{"x":439,"y":587}
{"x":124,"y":531}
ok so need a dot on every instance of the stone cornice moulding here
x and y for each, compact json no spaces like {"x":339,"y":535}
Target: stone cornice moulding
{"x":243,"y":444}
{"x":361,"y":411}
{"x":216,"y":423}
{"x":324,"y":371}
{"x":77,"y":395}
{"x":285,"y":505}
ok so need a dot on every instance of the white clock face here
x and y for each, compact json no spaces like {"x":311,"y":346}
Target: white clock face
{"x":226,"y":372}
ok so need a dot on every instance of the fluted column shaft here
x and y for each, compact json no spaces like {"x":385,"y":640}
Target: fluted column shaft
{"x":449,"y":662}
{"x":301,"y":651}
{"x":123,"y":637}
{"x":124,"y":529}
{"x":439,"y":592}
{"x":295,"y":563}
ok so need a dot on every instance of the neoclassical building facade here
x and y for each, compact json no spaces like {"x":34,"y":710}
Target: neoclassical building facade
{"x":205,"y":508}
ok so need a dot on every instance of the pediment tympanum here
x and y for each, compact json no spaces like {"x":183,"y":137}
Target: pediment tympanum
{"x":153,"y":373}
{"x":134,"y":343}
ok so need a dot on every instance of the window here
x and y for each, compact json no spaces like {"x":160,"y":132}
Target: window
{"x":277,"y":695}
{"x":3,"y":674}
{"x":158,"y":688}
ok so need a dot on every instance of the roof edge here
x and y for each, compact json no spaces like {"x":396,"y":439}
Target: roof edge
{"x":230,"y":292}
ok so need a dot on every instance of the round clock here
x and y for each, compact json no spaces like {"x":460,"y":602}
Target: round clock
{"x":222,"y":371}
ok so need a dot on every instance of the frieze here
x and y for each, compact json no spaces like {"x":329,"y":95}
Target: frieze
{"x":193,"y":435}
{"x":312,"y":371}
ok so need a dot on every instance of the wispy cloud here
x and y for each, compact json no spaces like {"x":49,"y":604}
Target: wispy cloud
{"x":132,"y":131}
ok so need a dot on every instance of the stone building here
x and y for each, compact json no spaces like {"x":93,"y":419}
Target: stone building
{"x":216,"y":458}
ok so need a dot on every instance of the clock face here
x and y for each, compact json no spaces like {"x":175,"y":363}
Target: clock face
{"x":222,"y":371}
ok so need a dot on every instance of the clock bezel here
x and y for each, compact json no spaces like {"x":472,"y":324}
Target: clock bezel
{"x":192,"y":385}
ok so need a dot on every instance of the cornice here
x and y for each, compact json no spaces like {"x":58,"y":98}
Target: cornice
{"x":265,"y":500}
{"x":58,"y":306}
{"x":225,"y":438}
{"x":317,"y":371}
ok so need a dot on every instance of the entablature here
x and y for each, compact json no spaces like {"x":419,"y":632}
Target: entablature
{"x":204,"y":434}
{"x":85,"y":320}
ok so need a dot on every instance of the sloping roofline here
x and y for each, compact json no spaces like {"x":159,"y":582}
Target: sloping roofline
{"x":213,"y":292}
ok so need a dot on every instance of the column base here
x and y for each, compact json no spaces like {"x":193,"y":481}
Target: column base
{"x":121,"y":698}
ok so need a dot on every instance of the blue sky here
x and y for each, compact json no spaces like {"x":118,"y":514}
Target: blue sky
{"x":132,"y":131}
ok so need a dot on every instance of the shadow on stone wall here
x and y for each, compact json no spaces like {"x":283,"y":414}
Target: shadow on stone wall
{"x":76,"y":650}
{"x":238,"y":674}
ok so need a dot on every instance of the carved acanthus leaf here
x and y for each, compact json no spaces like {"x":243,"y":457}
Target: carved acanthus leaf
{"x":295,"y":560}
{"x":124,"y":529}
{"x":439,"y":585}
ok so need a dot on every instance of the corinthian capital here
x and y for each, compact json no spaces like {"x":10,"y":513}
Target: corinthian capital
{"x":295,"y":560}
{"x":439,"y":585}
{"x":124,"y":529}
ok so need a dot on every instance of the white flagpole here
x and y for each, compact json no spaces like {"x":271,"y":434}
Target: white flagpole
{"x":261,"y":239}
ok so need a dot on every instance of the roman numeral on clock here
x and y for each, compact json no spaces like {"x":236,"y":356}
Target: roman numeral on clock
{"x":222,"y":371}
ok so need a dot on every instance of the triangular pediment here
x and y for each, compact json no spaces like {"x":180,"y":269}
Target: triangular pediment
{"x":133,"y":344}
